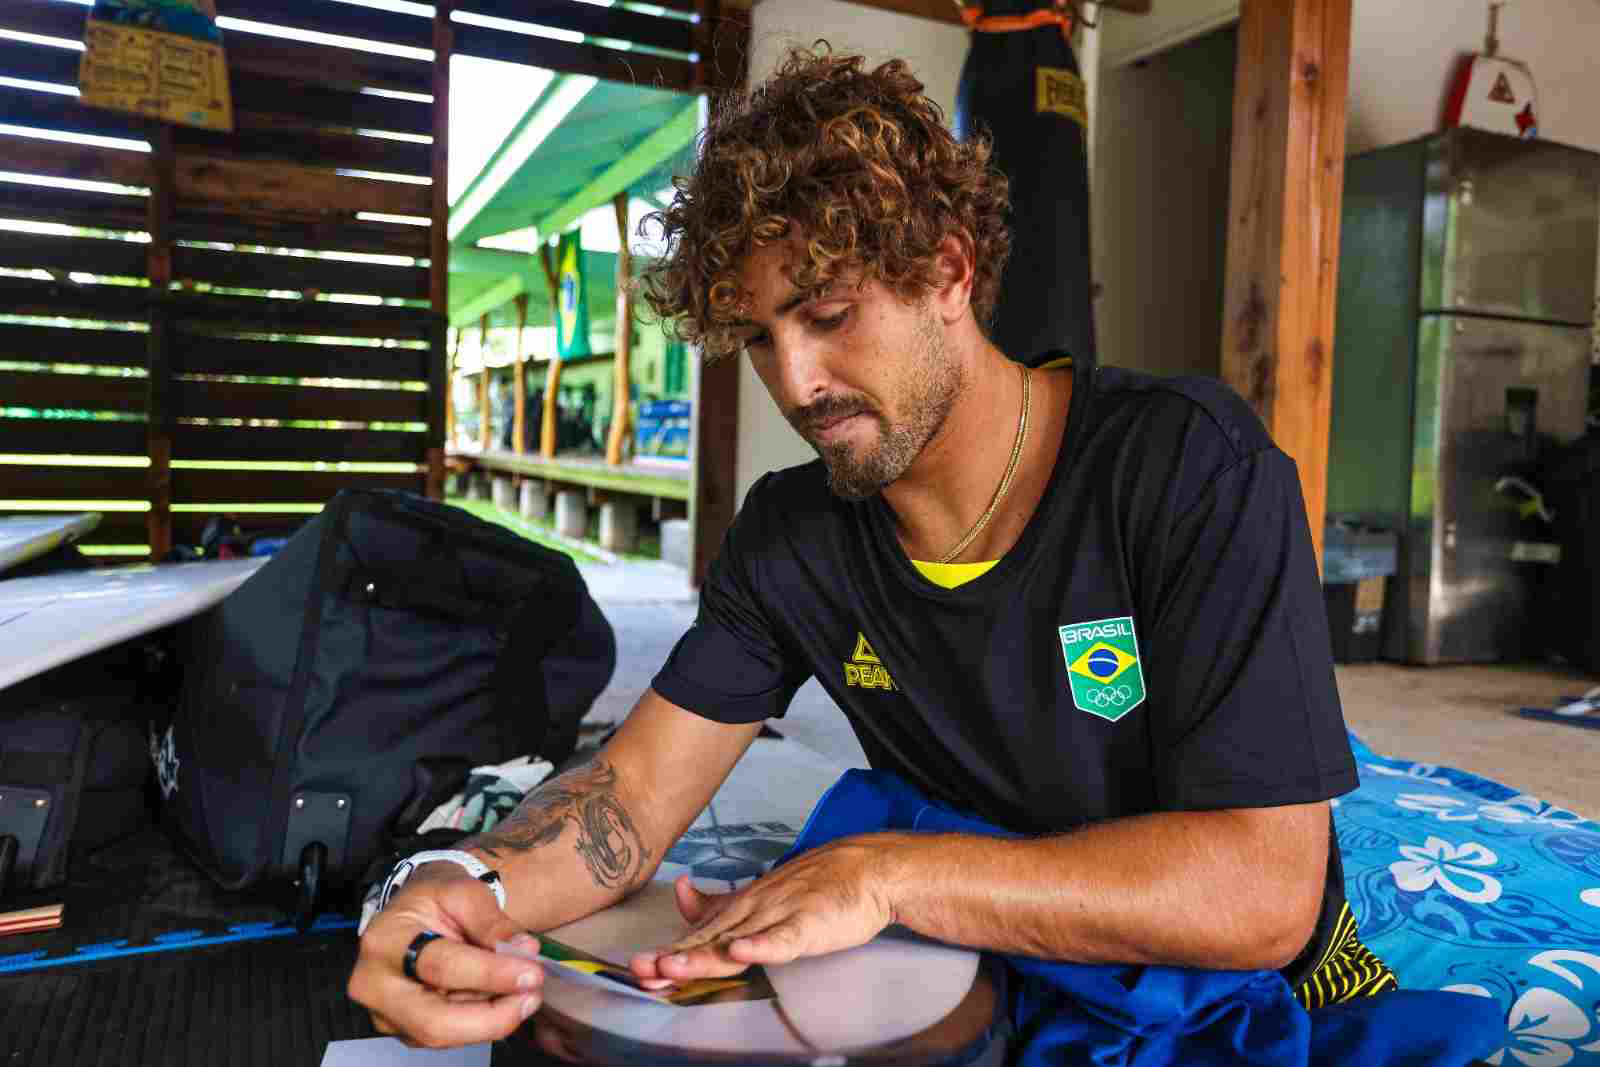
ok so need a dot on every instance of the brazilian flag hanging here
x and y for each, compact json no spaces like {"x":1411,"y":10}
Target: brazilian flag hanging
{"x":572,"y":299}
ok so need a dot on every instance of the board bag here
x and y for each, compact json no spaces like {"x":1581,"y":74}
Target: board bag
{"x":390,"y":637}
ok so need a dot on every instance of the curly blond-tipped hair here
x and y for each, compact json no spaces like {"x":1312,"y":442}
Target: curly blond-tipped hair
{"x":859,"y":162}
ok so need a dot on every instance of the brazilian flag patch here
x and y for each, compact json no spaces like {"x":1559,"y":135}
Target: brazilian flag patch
{"x":1103,"y":666}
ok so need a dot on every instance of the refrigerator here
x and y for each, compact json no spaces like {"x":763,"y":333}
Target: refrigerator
{"x":1466,"y":297}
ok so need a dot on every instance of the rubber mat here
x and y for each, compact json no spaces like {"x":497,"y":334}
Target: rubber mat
{"x":142,"y":895}
{"x":256,"y":1004}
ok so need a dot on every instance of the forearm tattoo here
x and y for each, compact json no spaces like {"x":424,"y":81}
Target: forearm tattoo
{"x":586,"y":797}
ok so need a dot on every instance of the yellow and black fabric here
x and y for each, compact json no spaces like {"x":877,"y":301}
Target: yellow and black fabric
{"x":1346,"y":970}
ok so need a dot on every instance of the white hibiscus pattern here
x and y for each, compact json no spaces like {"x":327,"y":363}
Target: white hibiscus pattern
{"x":1423,"y":771}
{"x":1440,"y":863}
{"x":1545,"y":1026}
{"x":1521,"y":810}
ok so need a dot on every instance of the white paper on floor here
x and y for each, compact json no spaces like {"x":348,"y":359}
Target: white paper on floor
{"x":388,"y":1052}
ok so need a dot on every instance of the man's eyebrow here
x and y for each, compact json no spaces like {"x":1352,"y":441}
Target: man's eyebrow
{"x":798,"y":297}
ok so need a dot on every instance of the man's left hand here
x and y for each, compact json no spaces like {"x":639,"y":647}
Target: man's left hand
{"x":826,"y":900}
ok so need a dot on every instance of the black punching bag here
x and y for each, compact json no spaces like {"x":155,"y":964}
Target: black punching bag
{"x":1023,"y":87}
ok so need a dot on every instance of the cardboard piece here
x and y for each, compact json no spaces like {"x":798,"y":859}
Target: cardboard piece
{"x":159,"y":59}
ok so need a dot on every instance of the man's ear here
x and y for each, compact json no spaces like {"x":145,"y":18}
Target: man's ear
{"x":956,"y":262}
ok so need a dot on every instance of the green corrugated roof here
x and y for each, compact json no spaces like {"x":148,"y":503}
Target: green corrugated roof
{"x":578,"y":145}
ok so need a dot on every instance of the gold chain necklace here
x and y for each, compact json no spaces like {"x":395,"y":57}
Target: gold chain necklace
{"x":1005,"y":479}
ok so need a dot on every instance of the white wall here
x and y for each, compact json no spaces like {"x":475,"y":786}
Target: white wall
{"x":1403,"y":55}
{"x":934,"y":51}
{"x":1160,"y":205}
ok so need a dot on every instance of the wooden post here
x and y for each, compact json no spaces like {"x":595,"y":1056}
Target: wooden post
{"x":519,"y":380}
{"x":159,"y":414}
{"x":441,"y":407}
{"x":449,"y":389}
{"x":1283,"y":225}
{"x":483,"y":383}
{"x":716,"y":446}
{"x":552,"y":378}
{"x":620,"y":376}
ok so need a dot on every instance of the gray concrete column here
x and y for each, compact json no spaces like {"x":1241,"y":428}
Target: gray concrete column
{"x":534,"y":502}
{"x":619,"y":526}
{"x":502,"y":491}
{"x":677,"y":542}
{"x":572,"y":513}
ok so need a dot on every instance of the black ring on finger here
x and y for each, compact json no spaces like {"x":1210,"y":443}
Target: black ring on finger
{"x":418,"y":943}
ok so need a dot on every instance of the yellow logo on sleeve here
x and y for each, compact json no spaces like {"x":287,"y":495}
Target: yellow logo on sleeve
{"x":865,"y":669}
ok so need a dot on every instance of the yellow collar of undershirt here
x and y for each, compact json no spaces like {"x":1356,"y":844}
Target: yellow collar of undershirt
{"x":950,"y":575}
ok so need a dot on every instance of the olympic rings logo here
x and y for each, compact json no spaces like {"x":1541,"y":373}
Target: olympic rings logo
{"x":1111,"y":695}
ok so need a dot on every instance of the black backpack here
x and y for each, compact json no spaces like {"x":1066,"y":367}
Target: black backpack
{"x":390,"y":637}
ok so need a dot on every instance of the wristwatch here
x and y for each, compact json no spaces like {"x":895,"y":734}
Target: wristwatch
{"x":475,"y":867}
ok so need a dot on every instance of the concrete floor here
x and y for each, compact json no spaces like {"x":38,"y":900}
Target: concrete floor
{"x":1467,"y":717}
{"x":1455,"y":716}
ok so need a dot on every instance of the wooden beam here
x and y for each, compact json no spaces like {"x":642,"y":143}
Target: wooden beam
{"x":449,"y":385}
{"x":638,"y":161}
{"x":160,"y":412}
{"x":483,"y":383}
{"x":61,"y":159}
{"x":256,"y":185}
{"x":441,"y":430}
{"x":552,"y":377}
{"x":621,"y":375}
{"x":716,"y":445}
{"x":492,"y":298}
{"x":1283,"y":225}
{"x":519,"y":381}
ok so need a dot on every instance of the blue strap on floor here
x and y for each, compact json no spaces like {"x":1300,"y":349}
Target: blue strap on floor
{"x":177,"y":940}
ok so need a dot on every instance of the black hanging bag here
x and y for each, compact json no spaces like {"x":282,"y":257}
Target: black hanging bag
{"x":388,"y":637}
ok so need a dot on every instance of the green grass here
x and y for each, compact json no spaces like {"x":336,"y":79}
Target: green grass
{"x":542,"y":532}
{"x":536,"y":532}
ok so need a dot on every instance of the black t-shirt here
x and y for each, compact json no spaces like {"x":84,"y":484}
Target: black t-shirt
{"x":1155,"y":641}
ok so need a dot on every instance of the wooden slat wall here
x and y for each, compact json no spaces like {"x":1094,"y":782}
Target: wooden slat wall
{"x":150,"y":374}
{"x":169,"y":392}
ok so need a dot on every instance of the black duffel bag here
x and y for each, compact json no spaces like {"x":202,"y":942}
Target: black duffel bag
{"x":74,"y":763}
{"x":390,"y":636}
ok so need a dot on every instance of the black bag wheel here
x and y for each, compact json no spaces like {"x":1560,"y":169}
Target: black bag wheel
{"x":313,"y":859}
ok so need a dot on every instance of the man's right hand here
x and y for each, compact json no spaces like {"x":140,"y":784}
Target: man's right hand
{"x":467,"y":993}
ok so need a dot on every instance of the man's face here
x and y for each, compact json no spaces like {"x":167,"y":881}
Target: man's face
{"x":864,"y":377}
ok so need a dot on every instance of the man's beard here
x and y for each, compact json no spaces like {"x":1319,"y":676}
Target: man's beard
{"x":924,"y":400}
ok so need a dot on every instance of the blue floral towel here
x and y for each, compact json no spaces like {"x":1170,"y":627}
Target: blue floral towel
{"x":1463,"y":884}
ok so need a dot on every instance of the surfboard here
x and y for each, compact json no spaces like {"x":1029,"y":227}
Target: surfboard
{"x":52,"y":619}
{"x":25,"y":537}
{"x":929,"y":1001}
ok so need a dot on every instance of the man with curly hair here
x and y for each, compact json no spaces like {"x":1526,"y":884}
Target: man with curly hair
{"x":1078,"y":603}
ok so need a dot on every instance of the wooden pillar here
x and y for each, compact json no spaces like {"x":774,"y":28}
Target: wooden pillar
{"x":716,"y":447}
{"x":441,"y":376}
{"x":1283,"y":225}
{"x":620,"y":375}
{"x":449,"y":389}
{"x":158,"y":410}
{"x":519,"y":380}
{"x":552,"y":378}
{"x":483,"y":382}
{"x":724,"y":44}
